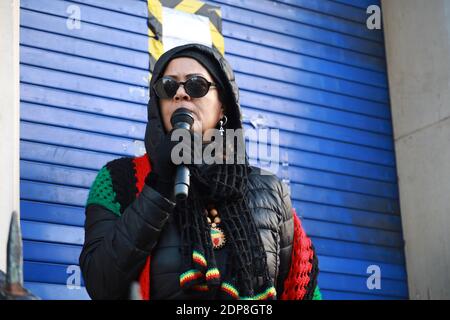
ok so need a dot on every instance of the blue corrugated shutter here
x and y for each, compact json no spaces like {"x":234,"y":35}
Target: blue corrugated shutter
{"x":310,"y":68}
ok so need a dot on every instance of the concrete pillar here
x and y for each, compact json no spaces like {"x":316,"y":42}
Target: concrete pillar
{"x":9,"y":118}
{"x":417,"y":39}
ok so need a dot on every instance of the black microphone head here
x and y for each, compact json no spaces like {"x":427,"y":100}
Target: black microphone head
{"x":182,"y":115}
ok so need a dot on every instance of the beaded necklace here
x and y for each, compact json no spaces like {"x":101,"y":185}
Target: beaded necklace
{"x":218,"y":238}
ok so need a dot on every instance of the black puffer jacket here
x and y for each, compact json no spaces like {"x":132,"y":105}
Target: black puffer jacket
{"x":118,"y":243}
{"x":122,"y":229}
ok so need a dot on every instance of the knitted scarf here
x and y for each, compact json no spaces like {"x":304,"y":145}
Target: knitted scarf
{"x":224,"y":186}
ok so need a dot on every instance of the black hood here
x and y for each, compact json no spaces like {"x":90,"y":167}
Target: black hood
{"x":155,"y":128}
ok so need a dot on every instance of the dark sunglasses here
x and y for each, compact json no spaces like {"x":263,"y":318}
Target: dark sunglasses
{"x":195,"y":87}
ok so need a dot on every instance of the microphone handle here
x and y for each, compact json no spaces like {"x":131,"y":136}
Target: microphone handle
{"x":182,"y":182}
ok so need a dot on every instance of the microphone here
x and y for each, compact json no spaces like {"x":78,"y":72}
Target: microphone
{"x":182,"y":118}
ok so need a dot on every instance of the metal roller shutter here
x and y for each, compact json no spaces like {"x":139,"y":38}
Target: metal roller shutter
{"x":309,"y":68}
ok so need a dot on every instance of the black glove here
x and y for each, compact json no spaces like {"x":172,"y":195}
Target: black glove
{"x":162,"y":172}
{"x":161,"y":177}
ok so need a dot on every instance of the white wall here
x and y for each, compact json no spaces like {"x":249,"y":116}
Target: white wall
{"x":417,"y":35}
{"x":9,"y":118}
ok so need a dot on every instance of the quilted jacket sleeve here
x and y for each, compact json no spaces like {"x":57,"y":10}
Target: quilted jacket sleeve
{"x":117,"y":244}
{"x":286,"y":232}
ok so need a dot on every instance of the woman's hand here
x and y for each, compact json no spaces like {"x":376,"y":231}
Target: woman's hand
{"x":162,"y":171}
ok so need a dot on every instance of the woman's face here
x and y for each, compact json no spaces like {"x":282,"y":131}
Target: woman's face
{"x":207,"y":110}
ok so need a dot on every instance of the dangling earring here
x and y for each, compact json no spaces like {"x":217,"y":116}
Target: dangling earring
{"x":222,"y":123}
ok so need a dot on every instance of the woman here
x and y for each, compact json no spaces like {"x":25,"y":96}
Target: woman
{"x":235,"y":237}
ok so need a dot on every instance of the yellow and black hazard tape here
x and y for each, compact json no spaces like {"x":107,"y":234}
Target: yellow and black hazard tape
{"x":155,"y":46}
{"x":155,"y":23}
